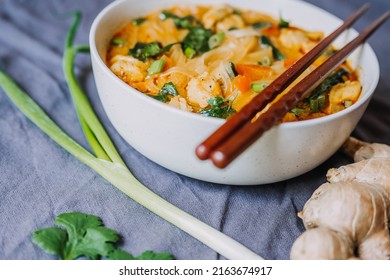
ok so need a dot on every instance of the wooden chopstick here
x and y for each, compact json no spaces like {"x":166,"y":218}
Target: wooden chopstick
{"x":247,"y":134}
{"x":205,"y":149}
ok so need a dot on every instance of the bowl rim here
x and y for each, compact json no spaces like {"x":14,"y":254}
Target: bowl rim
{"x":366,"y":93}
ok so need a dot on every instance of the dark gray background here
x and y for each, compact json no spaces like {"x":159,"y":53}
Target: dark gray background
{"x":39,"y":180}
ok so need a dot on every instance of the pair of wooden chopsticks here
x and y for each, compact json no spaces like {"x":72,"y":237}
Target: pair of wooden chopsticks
{"x":240,"y":130}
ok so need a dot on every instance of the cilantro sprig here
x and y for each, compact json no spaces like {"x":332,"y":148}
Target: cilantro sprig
{"x":143,"y":51}
{"x":197,"y":39}
{"x":83,"y":235}
{"x":219,"y":107}
{"x":165,"y":93}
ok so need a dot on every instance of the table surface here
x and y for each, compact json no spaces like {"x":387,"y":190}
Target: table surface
{"x":39,"y":180}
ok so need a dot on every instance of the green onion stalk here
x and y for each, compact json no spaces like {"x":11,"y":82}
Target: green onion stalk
{"x":107,"y":162}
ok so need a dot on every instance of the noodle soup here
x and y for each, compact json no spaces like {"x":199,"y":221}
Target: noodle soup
{"x":212,"y":60}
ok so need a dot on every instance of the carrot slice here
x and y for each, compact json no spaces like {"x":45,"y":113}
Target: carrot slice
{"x":272,"y":31}
{"x":243,"y":83}
{"x":254,"y":72}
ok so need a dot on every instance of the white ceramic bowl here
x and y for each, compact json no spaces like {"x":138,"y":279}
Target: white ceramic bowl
{"x":168,"y":136}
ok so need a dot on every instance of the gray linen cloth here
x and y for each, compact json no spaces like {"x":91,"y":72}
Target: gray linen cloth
{"x":39,"y":180}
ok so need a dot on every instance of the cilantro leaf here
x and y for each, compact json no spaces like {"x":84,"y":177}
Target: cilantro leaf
{"x":219,"y":108}
{"x":76,"y":223}
{"x":283,"y":23}
{"x":143,"y":51}
{"x":139,"y":21}
{"x":169,"y":88}
{"x":96,"y":242}
{"x":150,"y":255}
{"x":119,"y":254}
{"x":197,"y":39}
{"x":160,"y":97}
{"x":82,"y":235}
{"x":265,"y":40}
{"x":51,"y":240}
{"x":164,"y":93}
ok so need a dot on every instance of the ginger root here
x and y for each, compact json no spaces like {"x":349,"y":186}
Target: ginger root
{"x":348,"y":217}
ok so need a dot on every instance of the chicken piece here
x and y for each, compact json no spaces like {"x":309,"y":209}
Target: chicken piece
{"x":178,"y":79}
{"x":340,"y":93}
{"x":345,"y":91}
{"x":202,"y":88}
{"x":180,"y":103}
{"x":129,"y":69}
{"x":232,"y":21}
{"x":216,"y":14}
{"x":294,"y":39}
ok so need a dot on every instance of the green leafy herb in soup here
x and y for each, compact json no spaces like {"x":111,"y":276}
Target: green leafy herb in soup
{"x":213,"y":60}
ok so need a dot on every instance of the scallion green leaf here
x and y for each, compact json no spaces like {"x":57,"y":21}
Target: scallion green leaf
{"x":216,"y":40}
{"x":258,"y":87}
{"x":314,"y":105}
{"x":156,"y":66}
{"x":297,"y":111}
{"x":189,"y":52}
{"x":117,"y":41}
{"x":118,"y":174}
